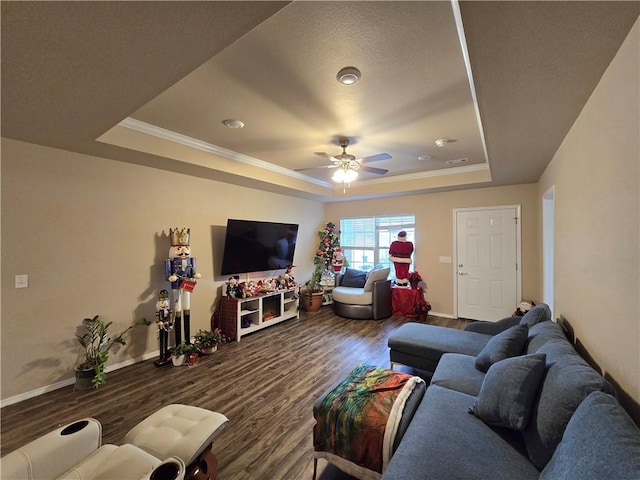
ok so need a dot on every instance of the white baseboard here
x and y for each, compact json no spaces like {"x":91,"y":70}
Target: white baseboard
{"x":70,"y":381}
{"x":445,"y":315}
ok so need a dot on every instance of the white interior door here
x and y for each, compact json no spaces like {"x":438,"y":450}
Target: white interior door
{"x":487,"y":257}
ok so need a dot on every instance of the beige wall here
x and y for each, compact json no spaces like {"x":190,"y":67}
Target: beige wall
{"x":91,"y":235}
{"x":596,"y":178}
{"x":89,"y":232}
{"x":434,"y":232}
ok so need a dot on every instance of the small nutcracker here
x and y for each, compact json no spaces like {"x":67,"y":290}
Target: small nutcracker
{"x":164,"y":322}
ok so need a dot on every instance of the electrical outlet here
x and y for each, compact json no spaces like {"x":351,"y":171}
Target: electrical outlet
{"x":22,"y":281}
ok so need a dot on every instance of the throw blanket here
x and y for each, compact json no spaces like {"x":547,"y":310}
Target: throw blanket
{"x":357,"y":421}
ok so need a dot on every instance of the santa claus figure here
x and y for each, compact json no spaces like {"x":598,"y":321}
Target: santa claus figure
{"x":400,"y":254}
{"x":337,"y":261}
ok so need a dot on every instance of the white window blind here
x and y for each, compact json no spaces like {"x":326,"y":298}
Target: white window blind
{"x":365,"y":241}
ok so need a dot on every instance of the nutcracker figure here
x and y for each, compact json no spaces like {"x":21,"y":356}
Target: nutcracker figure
{"x":164,"y":322}
{"x":400,"y":254}
{"x":180,"y":270}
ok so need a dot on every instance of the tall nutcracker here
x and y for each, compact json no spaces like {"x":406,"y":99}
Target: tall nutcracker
{"x":164,"y":322}
{"x":180,"y":270}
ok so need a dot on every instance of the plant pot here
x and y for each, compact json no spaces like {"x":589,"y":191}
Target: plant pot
{"x":313,"y":302}
{"x":178,"y":360}
{"x":209,"y":350}
{"x":193,"y":359}
{"x":84,"y":377}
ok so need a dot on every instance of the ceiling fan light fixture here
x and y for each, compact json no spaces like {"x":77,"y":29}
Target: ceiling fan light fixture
{"x":344,"y":175}
{"x":348,"y":76}
{"x":233,"y":123}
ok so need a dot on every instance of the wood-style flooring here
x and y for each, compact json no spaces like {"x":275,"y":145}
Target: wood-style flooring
{"x":266,"y":385}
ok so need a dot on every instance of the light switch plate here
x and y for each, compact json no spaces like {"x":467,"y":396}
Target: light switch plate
{"x":22,"y":281}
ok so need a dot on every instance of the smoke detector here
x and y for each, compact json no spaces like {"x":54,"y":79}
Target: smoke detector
{"x":348,"y":76}
{"x":233,"y":123}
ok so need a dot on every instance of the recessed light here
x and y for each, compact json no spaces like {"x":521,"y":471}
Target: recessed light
{"x":348,"y":75}
{"x":233,"y":123}
{"x":425,"y":157}
{"x":441,"y":142}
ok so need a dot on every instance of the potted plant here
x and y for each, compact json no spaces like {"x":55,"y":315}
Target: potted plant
{"x":311,"y":293}
{"x":207,"y":341}
{"x":422,"y":309}
{"x":97,"y":343}
{"x":181,"y":352}
{"x":414,"y":279}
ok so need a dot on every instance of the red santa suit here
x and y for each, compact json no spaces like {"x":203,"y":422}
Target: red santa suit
{"x":400,"y":254}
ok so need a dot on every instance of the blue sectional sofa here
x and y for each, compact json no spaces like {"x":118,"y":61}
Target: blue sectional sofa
{"x":510,"y":400}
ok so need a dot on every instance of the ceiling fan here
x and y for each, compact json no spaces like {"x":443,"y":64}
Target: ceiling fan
{"x":348,"y":165}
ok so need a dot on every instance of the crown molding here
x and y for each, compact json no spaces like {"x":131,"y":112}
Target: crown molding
{"x":169,"y":135}
{"x":426,"y":174}
{"x":159,"y":132}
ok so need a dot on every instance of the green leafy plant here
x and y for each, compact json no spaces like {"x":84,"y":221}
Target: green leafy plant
{"x":183,"y":349}
{"x":97,"y":344}
{"x":208,"y":339}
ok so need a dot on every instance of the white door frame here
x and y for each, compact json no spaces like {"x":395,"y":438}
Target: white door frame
{"x":548,"y":248}
{"x":455,"y":249}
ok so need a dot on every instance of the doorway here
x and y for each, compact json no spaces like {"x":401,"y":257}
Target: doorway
{"x":487,"y":277}
{"x":548,"y":247}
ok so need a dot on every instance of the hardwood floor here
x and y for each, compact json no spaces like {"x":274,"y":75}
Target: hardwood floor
{"x":266,"y":385}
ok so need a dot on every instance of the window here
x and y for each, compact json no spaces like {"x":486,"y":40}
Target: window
{"x":365,"y":241}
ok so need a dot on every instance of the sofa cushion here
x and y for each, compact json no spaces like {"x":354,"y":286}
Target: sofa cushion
{"x":353,"y":278}
{"x":503,"y":345}
{"x":374,"y":276}
{"x":539,"y":313}
{"x":458,"y":372}
{"x":567,"y":381}
{"x":442,"y":434}
{"x":509,"y":391}
{"x":601,"y":441}
{"x":492,"y":328}
{"x":431,"y":341}
{"x":352,"y":296}
{"x":111,"y":461}
{"x":541,"y":333}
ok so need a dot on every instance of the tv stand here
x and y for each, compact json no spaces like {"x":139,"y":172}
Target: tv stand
{"x":242,"y":316}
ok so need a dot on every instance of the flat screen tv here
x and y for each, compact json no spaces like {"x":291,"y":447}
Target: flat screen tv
{"x":254,"y":246}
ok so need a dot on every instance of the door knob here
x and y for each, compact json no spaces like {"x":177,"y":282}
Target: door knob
{"x":460,"y":272}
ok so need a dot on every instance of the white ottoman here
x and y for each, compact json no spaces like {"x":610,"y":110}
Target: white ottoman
{"x":181,"y":431}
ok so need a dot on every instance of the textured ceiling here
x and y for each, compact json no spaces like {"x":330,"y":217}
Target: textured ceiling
{"x":151,"y":82}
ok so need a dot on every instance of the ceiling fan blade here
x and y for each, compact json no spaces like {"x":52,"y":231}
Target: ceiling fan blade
{"x":315,"y":168}
{"x":375,"y":158}
{"x":378,"y":171}
{"x":325,"y":155}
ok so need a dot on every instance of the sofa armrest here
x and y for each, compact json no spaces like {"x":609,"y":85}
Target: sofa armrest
{"x":51,"y":455}
{"x":381,"y":299}
{"x":493,"y":328}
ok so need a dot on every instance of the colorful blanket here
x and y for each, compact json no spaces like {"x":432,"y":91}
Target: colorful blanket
{"x":357,"y":421}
